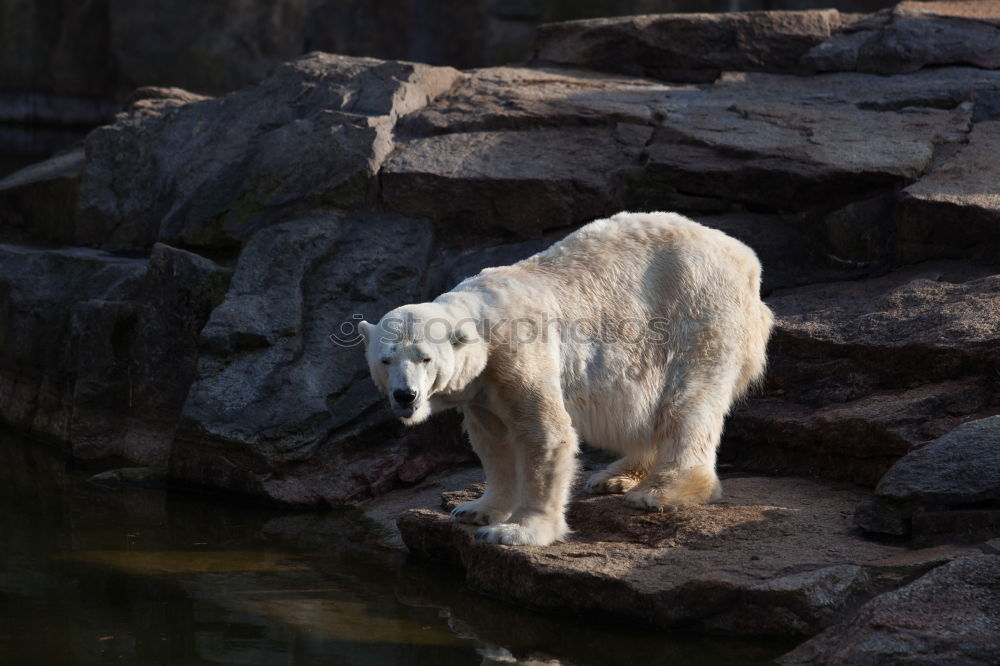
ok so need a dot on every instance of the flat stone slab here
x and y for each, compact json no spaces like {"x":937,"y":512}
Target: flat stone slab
{"x":687,"y":47}
{"x":775,"y":556}
{"x":954,"y":210}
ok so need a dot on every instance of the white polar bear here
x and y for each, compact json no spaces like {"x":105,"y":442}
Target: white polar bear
{"x":635,"y":334}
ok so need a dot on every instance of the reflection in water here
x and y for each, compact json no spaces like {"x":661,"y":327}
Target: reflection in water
{"x":92,"y":575}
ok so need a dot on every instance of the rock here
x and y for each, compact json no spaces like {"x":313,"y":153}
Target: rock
{"x":862,"y":372}
{"x":947,"y":490}
{"x":98,"y":351}
{"x":948,"y":616}
{"x":512,"y":184}
{"x":913,"y":35}
{"x":776,"y":556}
{"x":39,"y":292}
{"x":278,"y":407}
{"x":954,"y":211}
{"x":316,"y":131}
{"x":789,"y":255}
{"x":786,"y":157}
{"x":686,"y":47}
{"x":37,"y":202}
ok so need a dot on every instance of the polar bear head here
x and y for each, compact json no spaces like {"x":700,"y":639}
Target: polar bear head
{"x":418,"y":351}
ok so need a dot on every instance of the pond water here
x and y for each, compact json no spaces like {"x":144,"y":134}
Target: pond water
{"x":97,"y":575}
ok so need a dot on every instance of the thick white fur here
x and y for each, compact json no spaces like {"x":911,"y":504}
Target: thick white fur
{"x":658,"y":398}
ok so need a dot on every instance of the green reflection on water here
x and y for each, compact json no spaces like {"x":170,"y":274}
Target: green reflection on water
{"x":95,"y":575}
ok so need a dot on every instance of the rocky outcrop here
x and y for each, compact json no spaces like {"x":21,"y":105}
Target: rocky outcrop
{"x":343,"y":186}
{"x":947,"y":490}
{"x":862,"y":372}
{"x":316,"y":131}
{"x":946,"y":616}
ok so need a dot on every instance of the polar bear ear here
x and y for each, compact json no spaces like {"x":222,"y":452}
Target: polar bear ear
{"x":367,"y":331}
{"x":464,"y":333}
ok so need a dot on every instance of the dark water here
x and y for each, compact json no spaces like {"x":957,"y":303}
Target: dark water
{"x":92,"y":575}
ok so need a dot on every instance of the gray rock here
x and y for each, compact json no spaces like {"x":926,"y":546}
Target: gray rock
{"x":512,"y":184}
{"x":948,"y":616}
{"x":278,"y":406}
{"x":686,"y":47}
{"x":947,"y":490}
{"x":209,"y":173}
{"x":786,"y":157}
{"x":523,"y":98}
{"x":913,"y":35}
{"x":954,"y":211}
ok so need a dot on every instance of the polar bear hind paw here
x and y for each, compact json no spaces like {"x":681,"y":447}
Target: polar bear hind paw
{"x":695,"y":486}
{"x":608,"y":483}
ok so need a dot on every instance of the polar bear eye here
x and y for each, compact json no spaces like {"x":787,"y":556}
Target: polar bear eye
{"x":425,"y":360}
{"x":386,"y":361}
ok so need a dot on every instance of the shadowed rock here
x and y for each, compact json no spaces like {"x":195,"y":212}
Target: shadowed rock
{"x":948,"y":616}
{"x":211,"y":172}
{"x":862,"y":372}
{"x":947,"y":490}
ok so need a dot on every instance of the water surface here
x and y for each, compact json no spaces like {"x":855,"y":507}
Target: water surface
{"x":95,"y":575}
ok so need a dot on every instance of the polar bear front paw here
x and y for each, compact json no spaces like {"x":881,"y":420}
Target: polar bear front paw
{"x":478,"y":512}
{"x":536,"y":533}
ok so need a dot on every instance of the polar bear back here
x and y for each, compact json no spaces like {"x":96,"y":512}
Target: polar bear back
{"x":696,"y":286}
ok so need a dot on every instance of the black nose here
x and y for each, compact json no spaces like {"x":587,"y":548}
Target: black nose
{"x":404,"y":397}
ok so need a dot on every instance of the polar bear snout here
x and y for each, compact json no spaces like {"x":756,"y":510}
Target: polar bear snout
{"x":404,"y":397}
{"x":403,"y":402}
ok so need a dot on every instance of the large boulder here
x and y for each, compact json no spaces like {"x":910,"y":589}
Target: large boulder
{"x":210,"y":172}
{"x":282,"y":405}
{"x":948,"y":616}
{"x":947,"y":490}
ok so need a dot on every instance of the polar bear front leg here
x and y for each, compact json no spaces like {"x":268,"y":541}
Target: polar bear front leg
{"x":546,"y":446}
{"x":487,"y":435}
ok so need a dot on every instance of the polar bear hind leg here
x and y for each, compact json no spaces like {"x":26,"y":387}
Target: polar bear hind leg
{"x":687,"y":438}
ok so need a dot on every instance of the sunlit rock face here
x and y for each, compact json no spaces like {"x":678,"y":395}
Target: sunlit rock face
{"x":168,"y":293}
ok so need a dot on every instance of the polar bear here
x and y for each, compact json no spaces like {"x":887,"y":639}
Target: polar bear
{"x":635,"y":334}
